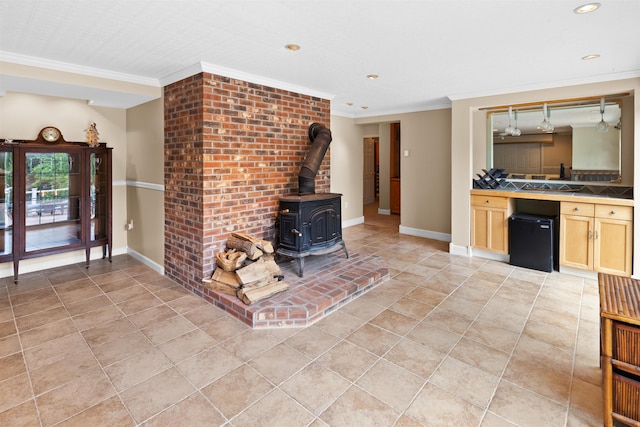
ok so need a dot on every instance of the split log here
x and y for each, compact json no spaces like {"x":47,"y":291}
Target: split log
{"x":267,"y":280}
{"x":252,"y":295}
{"x":263,"y":245}
{"x":227,"y":277}
{"x":258,"y":270}
{"x":245,"y":246}
{"x":214,"y":285}
{"x":230,"y":260}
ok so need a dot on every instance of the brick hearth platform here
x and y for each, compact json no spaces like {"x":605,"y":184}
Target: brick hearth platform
{"x":329,"y":282}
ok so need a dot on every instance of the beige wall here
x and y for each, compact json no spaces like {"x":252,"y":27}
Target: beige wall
{"x":145,"y":181}
{"x":146,"y":238}
{"x":425,"y":192}
{"x":145,"y":148}
{"x":23,"y":115}
{"x":347,"y":167}
{"x":469,"y":145}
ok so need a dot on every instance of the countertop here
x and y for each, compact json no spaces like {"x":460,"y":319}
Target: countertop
{"x":555,"y":195}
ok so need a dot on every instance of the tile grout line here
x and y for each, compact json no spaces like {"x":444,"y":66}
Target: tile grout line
{"x":24,"y":359}
{"x":575,"y":351}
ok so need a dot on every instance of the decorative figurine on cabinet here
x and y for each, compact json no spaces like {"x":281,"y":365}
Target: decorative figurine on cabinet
{"x":92,"y":135}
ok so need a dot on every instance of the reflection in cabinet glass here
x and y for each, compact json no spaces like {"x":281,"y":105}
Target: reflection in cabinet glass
{"x":57,"y":198}
{"x":6,"y":218}
{"x":52,"y":200}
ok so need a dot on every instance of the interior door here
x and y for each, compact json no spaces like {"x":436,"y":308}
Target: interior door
{"x":369,"y":172}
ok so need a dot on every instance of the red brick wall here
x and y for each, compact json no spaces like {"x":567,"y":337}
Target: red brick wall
{"x":232,"y":148}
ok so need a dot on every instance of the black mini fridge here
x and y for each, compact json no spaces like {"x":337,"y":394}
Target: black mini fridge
{"x":532,"y":241}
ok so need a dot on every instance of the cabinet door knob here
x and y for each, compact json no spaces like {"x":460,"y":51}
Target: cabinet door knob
{"x":576,"y":209}
{"x":486,"y":201}
{"x":590,"y":234}
{"x":613,"y":212}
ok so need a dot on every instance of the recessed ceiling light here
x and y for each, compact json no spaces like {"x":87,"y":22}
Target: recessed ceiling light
{"x":292,"y":47}
{"x":590,"y":57}
{"x":349,"y":104}
{"x":586,"y":8}
{"x":372,"y":76}
{"x":364,"y":107}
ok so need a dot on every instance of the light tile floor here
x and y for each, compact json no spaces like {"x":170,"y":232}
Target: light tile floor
{"x":447,"y":341}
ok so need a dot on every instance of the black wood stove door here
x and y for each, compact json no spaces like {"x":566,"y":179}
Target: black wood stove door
{"x":324,"y":226}
{"x":289,"y":227}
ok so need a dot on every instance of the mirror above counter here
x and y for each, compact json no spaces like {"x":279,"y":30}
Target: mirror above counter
{"x":577,"y":140}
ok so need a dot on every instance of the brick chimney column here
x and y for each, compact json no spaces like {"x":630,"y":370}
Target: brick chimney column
{"x":232,"y":148}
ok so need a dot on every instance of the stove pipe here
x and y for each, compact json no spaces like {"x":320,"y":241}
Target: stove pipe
{"x":320,"y":136}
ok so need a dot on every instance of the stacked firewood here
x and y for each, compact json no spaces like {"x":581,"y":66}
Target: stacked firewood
{"x":247,"y":269}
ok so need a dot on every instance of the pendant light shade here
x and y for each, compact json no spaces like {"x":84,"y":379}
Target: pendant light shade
{"x":510,"y":130}
{"x":546,"y":125}
{"x":516,"y":131}
{"x":602,"y":126}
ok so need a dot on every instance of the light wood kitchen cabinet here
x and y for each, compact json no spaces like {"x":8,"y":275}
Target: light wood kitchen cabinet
{"x":490,"y":223}
{"x":596,"y":237}
{"x":612,"y":251}
{"x":576,"y":235}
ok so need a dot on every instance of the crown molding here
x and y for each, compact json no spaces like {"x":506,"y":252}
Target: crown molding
{"x":205,"y":67}
{"x":33,"y":61}
{"x":549,"y":85}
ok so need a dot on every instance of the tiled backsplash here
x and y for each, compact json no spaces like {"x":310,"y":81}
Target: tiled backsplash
{"x":617,"y":191}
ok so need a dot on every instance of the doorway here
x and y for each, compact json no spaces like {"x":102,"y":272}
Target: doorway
{"x":394,"y":171}
{"x":370,"y":171}
{"x":371,"y":187}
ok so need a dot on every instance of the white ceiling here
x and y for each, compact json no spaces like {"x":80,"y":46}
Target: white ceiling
{"x":425,"y":52}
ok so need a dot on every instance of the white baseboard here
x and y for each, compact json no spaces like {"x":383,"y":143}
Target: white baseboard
{"x":53,"y":261}
{"x":435,"y":235}
{"x":352,"y":222}
{"x":489,"y":255}
{"x":587,"y":274}
{"x":143,"y":259}
{"x":384,"y":211}
{"x":459,"y":250}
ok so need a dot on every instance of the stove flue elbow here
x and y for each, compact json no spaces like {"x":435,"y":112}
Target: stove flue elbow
{"x":320,"y":137}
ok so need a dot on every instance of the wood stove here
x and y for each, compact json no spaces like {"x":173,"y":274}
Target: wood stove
{"x":310,"y":224}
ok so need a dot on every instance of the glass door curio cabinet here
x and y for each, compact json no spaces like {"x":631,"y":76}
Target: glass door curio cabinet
{"x":57,"y":198}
